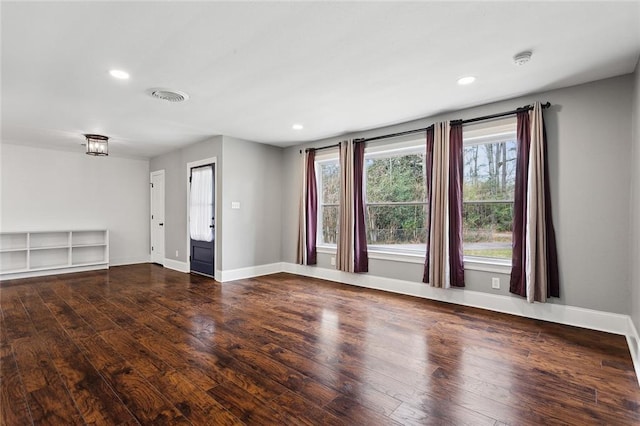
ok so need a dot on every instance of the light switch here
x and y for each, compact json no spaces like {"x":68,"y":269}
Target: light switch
{"x":235,"y":204}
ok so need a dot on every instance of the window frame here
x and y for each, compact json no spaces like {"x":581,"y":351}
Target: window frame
{"x":329,"y":156}
{"x":478,"y":134}
{"x":385,"y":149}
{"x":409,"y":144}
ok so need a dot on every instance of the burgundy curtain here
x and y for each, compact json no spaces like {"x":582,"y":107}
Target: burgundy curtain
{"x":311,"y":211}
{"x":361,"y":257}
{"x":517,"y":283}
{"x":553,"y":284}
{"x":456,"y":262}
{"x":428,"y":180}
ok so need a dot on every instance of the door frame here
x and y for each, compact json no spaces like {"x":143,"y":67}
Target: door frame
{"x":164,"y":237}
{"x":216,"y":248}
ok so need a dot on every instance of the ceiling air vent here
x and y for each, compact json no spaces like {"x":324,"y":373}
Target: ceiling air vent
{"x":169,"y":95}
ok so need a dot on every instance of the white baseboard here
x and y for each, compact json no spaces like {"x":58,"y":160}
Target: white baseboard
{"x":129,"y":260}
{"x":563,"y":314}
{"x":176,"y":265}
{"x":633,"y":340}
{"x":252,"y":271}
{"x":56,"y":271}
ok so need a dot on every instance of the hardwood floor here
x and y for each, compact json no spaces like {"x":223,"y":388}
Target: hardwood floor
{"x":146,"y":345}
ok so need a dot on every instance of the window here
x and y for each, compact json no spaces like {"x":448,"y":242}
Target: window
{"x":396,"y":202}
{"x":328,"y":181}
{"x":488,"y":189}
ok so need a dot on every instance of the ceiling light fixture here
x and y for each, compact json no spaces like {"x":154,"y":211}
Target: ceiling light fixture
{"x":463,"y":81}
{"x":297,"y":127}
{"x":97,"y":145}
{"x":119,"y":74}
{"x":522,"y":58}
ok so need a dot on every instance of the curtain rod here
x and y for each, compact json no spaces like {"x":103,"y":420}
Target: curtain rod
{"x":321,"y":148}
{"x":500,"y":114}
{"x":470,"y":120}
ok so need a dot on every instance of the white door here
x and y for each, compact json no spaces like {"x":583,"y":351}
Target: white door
{"x":157,"y":217}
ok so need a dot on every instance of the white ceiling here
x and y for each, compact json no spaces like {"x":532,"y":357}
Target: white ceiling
{"x":254,"y":69}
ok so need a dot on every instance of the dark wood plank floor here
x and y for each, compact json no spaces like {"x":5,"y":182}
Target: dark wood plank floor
{"x":146,"y":345}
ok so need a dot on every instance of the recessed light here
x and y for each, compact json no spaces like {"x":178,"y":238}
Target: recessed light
{"x":466,"y":80}
{"x":119,"y":74}
{"x":297,"y":127}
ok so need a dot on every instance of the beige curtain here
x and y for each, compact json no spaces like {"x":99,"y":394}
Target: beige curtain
{"x":536,"y":236}
{"x":344,"y":256}
{"x":301,"y":221}
{"x":439,"y":275}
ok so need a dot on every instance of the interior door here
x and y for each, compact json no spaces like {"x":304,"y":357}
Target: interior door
{"x":202,"y":219}
{"x":157,"y":217}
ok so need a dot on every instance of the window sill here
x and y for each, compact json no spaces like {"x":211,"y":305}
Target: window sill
{"x":470,"y":263}
{"x":487,"y":265}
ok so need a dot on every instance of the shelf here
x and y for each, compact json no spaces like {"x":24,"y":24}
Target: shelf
{"x":49,"y":248}
{"x":13,"y":260}
{"x":24,"y":254}
{"x":13,"y":250}
{"x":13,"y":241}
{"x":54,"y":257}
{"x":84,"y":238}
{"x":88,"y":254}
{"x":48,"y":239}
{"x":88,"y":264}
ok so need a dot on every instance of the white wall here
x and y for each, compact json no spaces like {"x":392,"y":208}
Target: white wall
{"x":43,"y":189}
{"x":635,"y":204}
{"x":589,"y":138}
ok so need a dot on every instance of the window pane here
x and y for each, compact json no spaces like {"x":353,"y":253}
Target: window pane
{"x":329,"y":224}
{"x":330,"y":178}
{"x":487,"y":229}
{"x":489,"y":181}
{"x":395,"y":179}
{"x":397,"y":226}
{"x":396,"y":200}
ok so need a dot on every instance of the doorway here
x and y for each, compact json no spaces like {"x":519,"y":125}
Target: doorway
{"x":157,"y":217}
{"x":201,"y":214}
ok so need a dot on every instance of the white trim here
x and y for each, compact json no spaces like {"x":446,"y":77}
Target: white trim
{"x":130,"y":260}
{"x":569,"y":315}
{"x":250,"y":272}
{"x":41,"y":273}
{"x":164,"y":239}
{"x":633,"y":341}
{"x":487,"y":265}
{"x":563,"y":314}
{"x":176,"y":265}
{"x":396,"y":257}
{"x":216,"y":247}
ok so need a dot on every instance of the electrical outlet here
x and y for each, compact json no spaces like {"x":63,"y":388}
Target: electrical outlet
{"x":176,"y":253}
{"x":333,"y":261}
{"x":495,"y":282}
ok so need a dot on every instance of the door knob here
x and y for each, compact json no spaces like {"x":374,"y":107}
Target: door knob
{"x":161,"y":224}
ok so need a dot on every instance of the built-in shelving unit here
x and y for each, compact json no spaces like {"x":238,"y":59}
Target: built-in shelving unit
{"x":28,"y":254}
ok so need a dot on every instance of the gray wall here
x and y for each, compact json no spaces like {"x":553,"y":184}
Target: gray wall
{"x":247,"y":172}
{"x":635,"y":204}
{"x":589,"y":136}
{"x":252,"y":176}
{"x":175,"y":166}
